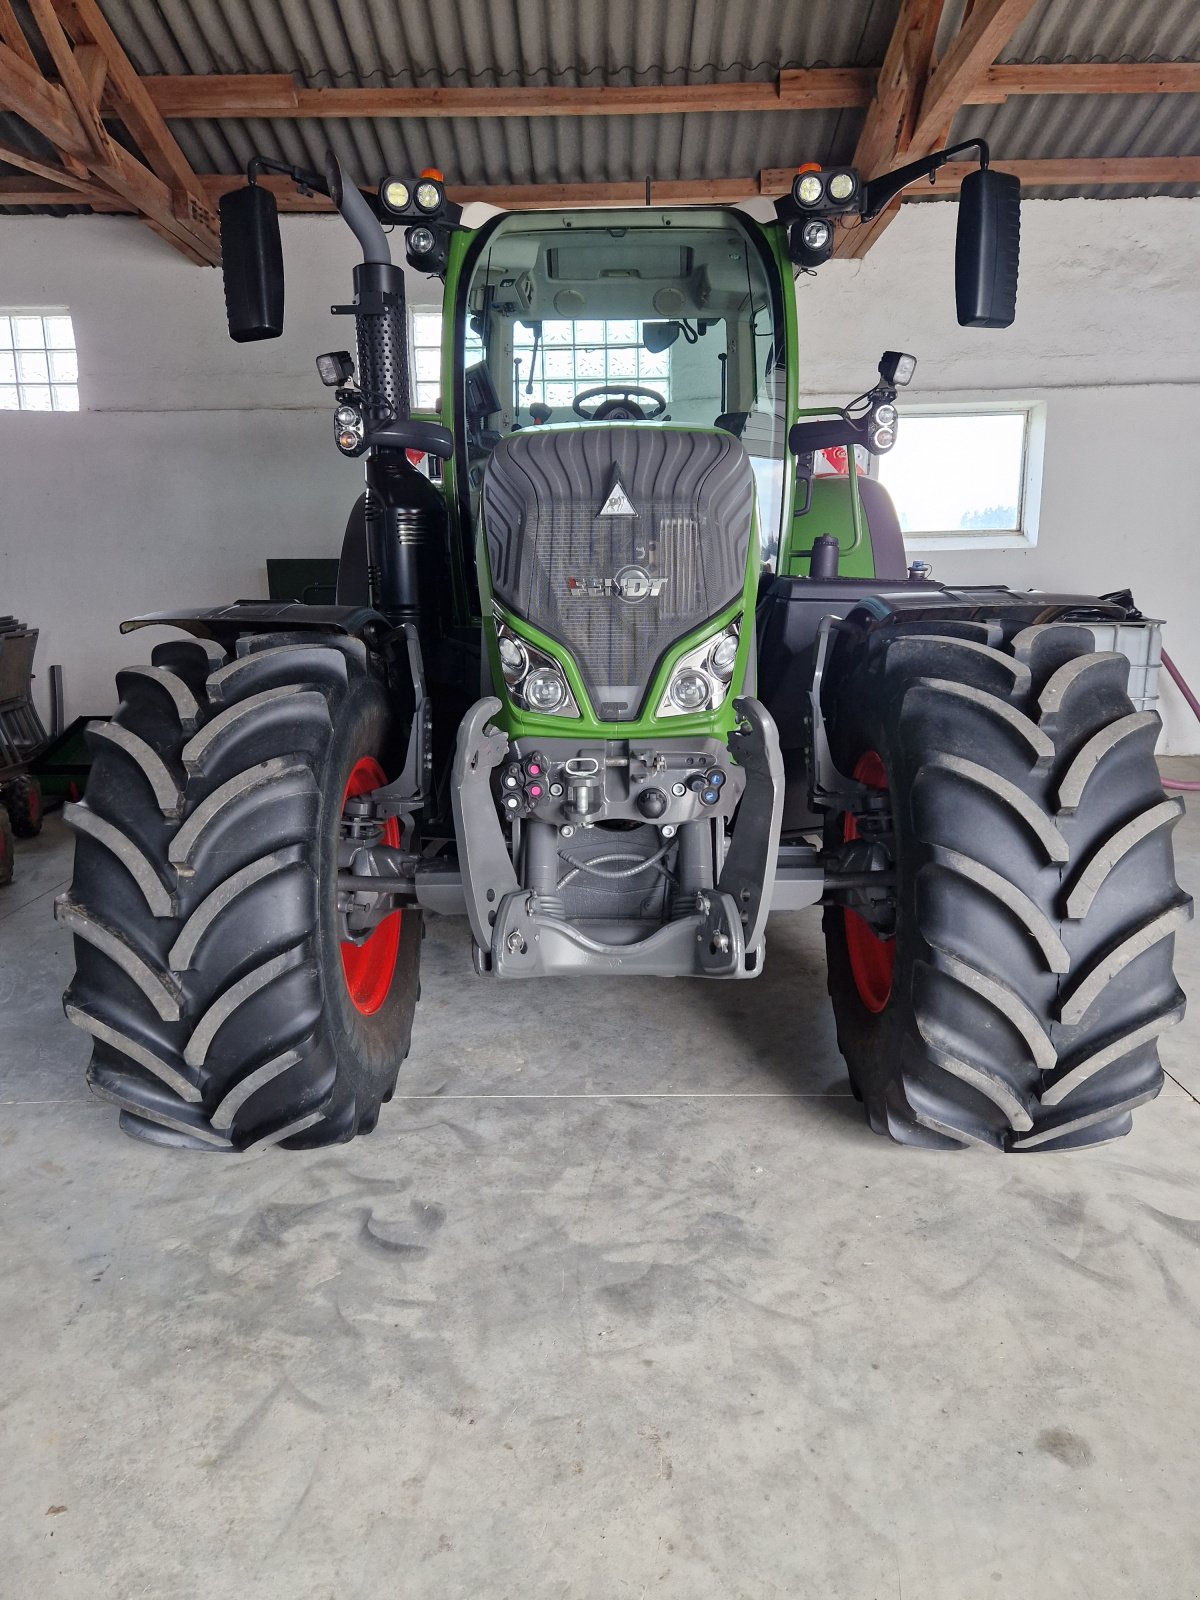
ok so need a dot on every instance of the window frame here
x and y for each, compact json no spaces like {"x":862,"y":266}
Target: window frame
{"x":1025,"y":537}
{"x":11,"y":313}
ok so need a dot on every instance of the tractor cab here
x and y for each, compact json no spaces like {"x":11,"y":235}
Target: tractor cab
{"x":581,"y":319}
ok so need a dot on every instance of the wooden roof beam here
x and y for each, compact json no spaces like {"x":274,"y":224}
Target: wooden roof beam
{"x":68,"y":115}
{"x":1089,"y":77}
{"x":127,"y":98}
{"x":42,"y":104}
{"x":13,"y":36}
{"x":934,"y":96}
{"x":804,"y":89}
{"x":277,"y":95}
{"x":972,"y":51}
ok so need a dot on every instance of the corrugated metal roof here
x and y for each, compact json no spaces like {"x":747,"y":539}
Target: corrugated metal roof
{"x":537,"y":42}
{"x":499,"y":41}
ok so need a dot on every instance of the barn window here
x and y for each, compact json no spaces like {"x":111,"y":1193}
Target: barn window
{"x":968,"y":477}
{"x":39,"y":370}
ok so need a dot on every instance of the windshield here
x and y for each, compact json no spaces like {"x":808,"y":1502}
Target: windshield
{"x":624,"y":316}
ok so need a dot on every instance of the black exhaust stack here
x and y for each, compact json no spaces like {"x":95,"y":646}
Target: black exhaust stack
{"x":404,"y":514}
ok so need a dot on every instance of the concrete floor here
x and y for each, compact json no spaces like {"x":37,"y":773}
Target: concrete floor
{"x":622,"y":1299}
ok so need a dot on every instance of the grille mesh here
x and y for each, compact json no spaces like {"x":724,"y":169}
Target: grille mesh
{"x":553,"y":556}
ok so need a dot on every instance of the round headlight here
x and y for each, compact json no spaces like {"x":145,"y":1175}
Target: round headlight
{"x":513,"y":660}
{"x":883,"y":438}
{"x":816,"y":234}
{"x":395,"y":194}
{"x":808,"y":189}
{"x":885,"y":416}
{"x":420,"y":241}
{"x":690,"y":690}
{"x":544,"y":690}
{"x":349,"y":439}
{"x":346,"y":417}
{"x":841,"y":186}
{"x":722,"y":657}
{"x":429,"y":195}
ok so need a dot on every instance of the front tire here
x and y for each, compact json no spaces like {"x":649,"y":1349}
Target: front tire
{"x":1035,"y":901}
{"x":210,"y":969}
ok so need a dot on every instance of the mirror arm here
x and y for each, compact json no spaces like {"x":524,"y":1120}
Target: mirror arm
{"x":305,"y":180}
{"x":880,"y":191}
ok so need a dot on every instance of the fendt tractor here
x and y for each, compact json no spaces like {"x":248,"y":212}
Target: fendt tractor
{"x":615,"y":672}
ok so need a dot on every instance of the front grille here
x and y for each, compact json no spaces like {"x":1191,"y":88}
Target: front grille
{"x":559,"y":564}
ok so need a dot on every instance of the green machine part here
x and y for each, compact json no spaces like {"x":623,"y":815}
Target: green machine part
{"x":834,"y":508}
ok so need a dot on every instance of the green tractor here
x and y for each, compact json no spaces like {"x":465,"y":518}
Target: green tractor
{"x":614,"y":674}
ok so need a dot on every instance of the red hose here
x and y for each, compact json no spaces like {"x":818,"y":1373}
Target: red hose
{"x":1181,"y":684}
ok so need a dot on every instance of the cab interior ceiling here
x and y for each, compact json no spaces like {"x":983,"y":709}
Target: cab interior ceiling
{"x":626,"y":266}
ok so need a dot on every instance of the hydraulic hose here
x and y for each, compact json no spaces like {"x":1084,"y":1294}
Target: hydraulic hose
{"x":1180,"y":682}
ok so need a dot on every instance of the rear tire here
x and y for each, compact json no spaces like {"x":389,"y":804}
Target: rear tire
{"x":1035,"y":900}
{"x":203,"y":904}
{"x":22,"y":799}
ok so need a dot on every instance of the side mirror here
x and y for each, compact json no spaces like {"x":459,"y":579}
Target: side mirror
{"x":659,"y":336}
{"x":987,"y":249}
{"x":252,"y":263}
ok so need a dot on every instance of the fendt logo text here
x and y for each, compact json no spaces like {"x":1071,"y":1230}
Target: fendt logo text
{"x":631,"y":584}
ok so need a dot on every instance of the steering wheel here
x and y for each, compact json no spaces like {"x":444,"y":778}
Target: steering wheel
{"x":619,"y":410}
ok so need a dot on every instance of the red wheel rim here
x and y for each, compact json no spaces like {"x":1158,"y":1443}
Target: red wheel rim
{"x":370,"y":967}
{"x":872,"y":959}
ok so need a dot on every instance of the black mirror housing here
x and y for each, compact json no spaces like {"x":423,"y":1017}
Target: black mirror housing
{"x":987,"y":249}
{"x":659,"y":336}
{"x":252,"y":264}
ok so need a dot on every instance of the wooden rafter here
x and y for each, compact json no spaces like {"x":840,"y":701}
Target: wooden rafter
{"x":13,"y":36}
{"x":805,"y":89}
{"x":916,"y":101}
{"x":69,"y":188}
{"x":93,"y":75}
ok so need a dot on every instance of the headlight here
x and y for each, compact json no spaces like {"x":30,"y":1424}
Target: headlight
{"x":420,"y":240}
{"x":395,"y":194}
{"x":429,"y":195}
{"x":841,"y":186}
{"x":808,"y":190}
{"x":723,"y":655}
{"x":816,"y":234}
{"x":348,"y":431}
{"x":513,"y":660}
{"x":544,"y":689}
{"x":534,"y":679}
{"x":691,"y":690}
{"x":700,"y":680}
{"x":881,"y":429}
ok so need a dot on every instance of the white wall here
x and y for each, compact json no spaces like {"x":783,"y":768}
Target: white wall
{"x":196,"y":458}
